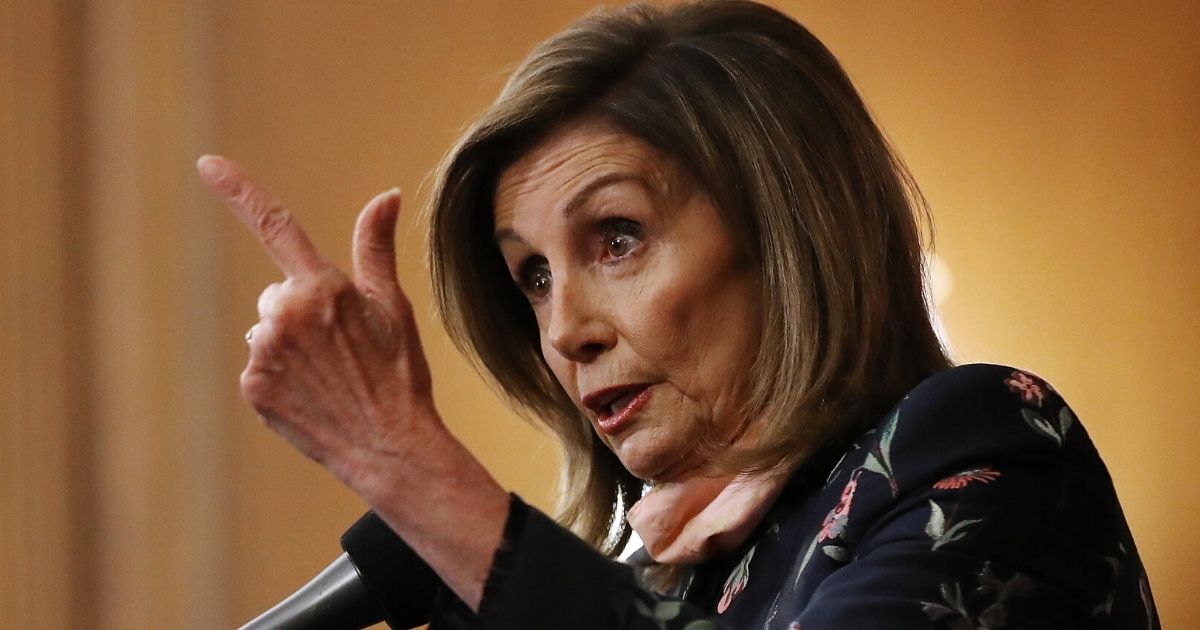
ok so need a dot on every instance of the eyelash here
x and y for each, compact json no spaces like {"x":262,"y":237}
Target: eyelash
{"x":534,"y":277}
{"x":620,"y":228}
{"x":527,"y":277}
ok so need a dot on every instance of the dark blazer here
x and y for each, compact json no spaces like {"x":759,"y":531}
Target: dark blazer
{"x":978,"y":501}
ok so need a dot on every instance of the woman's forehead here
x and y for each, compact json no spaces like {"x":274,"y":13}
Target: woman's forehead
{"x":570,"y":163}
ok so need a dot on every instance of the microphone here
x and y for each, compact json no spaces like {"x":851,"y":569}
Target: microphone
{"x":378,"y":578}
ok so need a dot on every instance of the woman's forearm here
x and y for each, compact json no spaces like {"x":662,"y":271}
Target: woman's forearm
{"x":442,"y":501}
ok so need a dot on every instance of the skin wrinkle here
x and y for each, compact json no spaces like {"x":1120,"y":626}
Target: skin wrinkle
{"x":680,"y":311}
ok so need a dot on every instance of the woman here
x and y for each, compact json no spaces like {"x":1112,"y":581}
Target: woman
{"x":678,"y":239}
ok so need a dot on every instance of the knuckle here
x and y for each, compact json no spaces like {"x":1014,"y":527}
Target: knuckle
{"x":255,"y":386}
{"x":298,"y":299}
{"x":268,"y":299}
{"x":298,"y":317}
{"x":320,"y":286}
{"x":379,"y":250}
{"x":333,"y":280}
{"x":301,"y":307}
{"x":287,"y":322}
{"x":272,"y":222}
{"x":266,"y":337}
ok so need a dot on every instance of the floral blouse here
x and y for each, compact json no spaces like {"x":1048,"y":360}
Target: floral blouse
{"x":978,"y":502}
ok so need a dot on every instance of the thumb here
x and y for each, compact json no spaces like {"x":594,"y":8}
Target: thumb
{"x":375,"y":246}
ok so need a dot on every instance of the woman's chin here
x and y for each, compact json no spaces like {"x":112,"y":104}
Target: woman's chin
{"x":651,"y":464}
{"x":644,"y":465}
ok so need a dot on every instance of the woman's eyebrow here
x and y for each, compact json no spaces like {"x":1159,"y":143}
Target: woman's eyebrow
{"x":580,"y":198}
{"x":507,"y":234}
{"x":595,"y":185}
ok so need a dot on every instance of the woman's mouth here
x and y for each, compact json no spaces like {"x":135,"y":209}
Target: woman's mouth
{"x":615,"y":409}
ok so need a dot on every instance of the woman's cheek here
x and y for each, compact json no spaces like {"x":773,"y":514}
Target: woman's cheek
{"x":660,"y":322}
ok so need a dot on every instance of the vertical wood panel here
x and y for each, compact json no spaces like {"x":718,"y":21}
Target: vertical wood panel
{"x":38,"y":577}
{"x":154,"y":267}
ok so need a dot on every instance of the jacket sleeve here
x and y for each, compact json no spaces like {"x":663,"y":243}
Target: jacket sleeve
{"x":544,"y":576}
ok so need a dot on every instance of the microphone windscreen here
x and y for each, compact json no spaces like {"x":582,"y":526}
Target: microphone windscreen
{"x":336,"y":599}
{"x":400,"y":582}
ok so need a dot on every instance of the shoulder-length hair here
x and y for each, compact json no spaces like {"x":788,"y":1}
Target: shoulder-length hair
{"x":760,"y":113}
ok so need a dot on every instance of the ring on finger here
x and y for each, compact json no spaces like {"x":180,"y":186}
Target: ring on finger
{"x":250,"y":333}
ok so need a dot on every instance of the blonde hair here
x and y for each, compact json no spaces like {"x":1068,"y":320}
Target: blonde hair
{"x":759,"y":112}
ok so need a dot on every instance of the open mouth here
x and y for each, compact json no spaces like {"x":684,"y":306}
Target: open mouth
{"x":615,"y":406}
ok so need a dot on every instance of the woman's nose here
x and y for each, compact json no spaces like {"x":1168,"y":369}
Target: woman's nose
{"x":580,"y":328}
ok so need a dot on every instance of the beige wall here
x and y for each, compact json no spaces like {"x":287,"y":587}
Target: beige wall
{"x":1057,"y":146}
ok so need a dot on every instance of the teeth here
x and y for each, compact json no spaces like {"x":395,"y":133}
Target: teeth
{"x":621,"y":402}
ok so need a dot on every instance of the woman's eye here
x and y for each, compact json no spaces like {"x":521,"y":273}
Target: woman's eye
{"x":535,"y":281}
{"x":621,"y":239}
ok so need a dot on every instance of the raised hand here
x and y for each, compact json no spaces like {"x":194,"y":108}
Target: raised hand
{"x":335,"y":365}
{"x":337,"y":369}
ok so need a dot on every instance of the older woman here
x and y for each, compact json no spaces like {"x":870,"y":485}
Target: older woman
{"x":679,"y":240}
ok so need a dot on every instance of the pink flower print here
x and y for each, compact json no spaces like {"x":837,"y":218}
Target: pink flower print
{"x":835,"y":522}
{"x":736,"y":582}
{"x":1027,"y":386}
{"x":985,"y":474}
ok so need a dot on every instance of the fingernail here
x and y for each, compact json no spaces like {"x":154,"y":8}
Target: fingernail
{"x":214,"y":173}
{"x":209,"y":167}
{"x":203,"y":160}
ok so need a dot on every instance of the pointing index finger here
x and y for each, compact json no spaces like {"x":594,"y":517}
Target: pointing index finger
{"x":283,"y":238}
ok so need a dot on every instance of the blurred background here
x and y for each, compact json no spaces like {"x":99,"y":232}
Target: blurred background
{"x":1058,"y":144}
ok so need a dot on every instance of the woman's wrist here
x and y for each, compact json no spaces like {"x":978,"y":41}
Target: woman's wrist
{"x":421,"y":489}
{"x":396,"y":460}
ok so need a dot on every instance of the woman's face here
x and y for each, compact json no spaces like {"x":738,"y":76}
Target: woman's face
{"x":649,"y":314}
